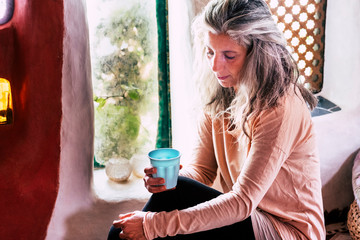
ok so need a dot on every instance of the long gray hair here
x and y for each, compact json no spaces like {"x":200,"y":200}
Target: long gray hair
{"x":269,"y":69}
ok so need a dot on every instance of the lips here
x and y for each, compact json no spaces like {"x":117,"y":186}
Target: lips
{"x":222,"y":78}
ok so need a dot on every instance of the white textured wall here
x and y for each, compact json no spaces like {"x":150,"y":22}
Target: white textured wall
{"x":339,"y":133}
{"x":183,"y":109}
{"x":77,"y":129}
{"x":181,"y":14}
{"x":342,"y":53}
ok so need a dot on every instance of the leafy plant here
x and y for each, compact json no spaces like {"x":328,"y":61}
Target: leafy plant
{"x":125,"y":81}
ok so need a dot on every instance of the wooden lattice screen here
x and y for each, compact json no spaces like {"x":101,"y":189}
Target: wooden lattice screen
{"x":303,"y":25}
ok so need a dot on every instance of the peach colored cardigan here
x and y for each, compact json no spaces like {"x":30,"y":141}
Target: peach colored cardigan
{"x":276,"y":173}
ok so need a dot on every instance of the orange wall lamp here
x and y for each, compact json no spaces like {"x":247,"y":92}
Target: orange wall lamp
{"x":6,"y":106}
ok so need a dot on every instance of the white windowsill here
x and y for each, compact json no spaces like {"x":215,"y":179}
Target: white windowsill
{"x":111,"y":191}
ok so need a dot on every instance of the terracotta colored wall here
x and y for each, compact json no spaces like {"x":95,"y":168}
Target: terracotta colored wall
{"x":30,"y":147}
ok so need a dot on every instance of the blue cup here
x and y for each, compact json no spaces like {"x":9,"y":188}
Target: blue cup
{"x":167,"y":163}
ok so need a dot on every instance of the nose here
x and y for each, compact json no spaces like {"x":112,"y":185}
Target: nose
{"x":216,"y":63}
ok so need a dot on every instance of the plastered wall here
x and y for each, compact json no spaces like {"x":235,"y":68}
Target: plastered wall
{"x":77,"y":131}
{"x":342,"y":53}
{"x":31,"y":47}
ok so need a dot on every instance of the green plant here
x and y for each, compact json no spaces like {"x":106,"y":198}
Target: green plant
{"x":125,"y":82}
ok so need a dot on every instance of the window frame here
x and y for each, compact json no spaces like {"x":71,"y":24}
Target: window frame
{"x":311,"y":67}
{"x":9,"y":12}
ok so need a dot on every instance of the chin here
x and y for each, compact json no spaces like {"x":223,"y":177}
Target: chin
{"x":224,"y":85}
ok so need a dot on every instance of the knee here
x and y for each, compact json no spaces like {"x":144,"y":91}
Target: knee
{"x":184,"y":182}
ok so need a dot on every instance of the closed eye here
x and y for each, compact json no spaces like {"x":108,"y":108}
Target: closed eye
{"x":229,"y":57}
{"x":230,"y":54}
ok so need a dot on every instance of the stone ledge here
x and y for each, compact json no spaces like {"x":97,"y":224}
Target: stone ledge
{"x":111,"y":191}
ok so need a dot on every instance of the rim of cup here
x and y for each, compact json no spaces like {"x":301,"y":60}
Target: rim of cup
{"x":159,"y":149}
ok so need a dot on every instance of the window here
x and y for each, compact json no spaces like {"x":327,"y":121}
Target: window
{"x":303,"y":25}
{"x":6,"y":10}
{"x":124,"y":73}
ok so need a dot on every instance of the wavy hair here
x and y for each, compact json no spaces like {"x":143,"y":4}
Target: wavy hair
{"x":269,"y":69}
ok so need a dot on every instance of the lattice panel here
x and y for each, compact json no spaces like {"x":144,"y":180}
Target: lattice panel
{"x":303,"y":25}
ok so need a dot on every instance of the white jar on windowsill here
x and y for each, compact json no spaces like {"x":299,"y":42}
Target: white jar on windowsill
{"x":118,"y":169}
{"x":139,"y":162}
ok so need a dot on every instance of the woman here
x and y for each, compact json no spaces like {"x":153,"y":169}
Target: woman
{"x":256,"y":132}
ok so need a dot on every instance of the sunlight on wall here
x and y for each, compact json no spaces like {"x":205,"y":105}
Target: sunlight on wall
{"x":342,"y":54}
{"x":2,"y":9}
{"x":6,"y":10}
{"x":182,"y":88}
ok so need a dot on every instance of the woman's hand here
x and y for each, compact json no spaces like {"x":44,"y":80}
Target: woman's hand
{"x":131,"y":225}
{"x":153,"y":185}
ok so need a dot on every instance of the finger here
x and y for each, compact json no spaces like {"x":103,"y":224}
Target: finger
{"x":122,"y":235}
{"x":156,"y":189}
{"x":171,"y":189}
{"x":150,"y":170}
{"x":153,"y":181}
{"x":126,"y":215}
{"x":118,"y":224}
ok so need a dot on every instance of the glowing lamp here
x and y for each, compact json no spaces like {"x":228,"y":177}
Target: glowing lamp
{"x":6,"y":106}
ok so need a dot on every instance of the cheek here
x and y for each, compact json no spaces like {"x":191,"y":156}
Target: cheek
{"x":237,"y":68}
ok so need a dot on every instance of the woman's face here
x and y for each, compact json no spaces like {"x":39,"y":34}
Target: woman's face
{"x":225,"y":57}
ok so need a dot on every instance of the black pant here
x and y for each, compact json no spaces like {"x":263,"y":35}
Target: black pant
{"x":189,"y":193}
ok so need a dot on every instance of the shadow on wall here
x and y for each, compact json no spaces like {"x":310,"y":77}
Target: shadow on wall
{"x":94,"y":223}
{"x":339,"y":184}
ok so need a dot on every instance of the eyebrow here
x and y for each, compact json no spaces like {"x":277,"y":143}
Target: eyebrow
{"x":229,"y":51}
{"x":226,"y":51}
